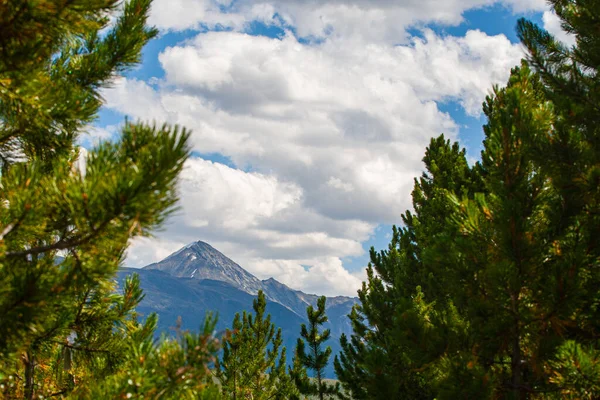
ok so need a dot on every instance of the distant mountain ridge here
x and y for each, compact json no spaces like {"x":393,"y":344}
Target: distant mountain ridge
{"x":199,"y":260}
{"x":198,"y":279}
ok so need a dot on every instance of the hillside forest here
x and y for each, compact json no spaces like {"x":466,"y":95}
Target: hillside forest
{"x":489,"y":288}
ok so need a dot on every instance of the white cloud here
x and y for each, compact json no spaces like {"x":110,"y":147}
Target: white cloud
{"x":144,"y":251}
{"x":365,"y":20}
{"x":379,"y":20}
{"x":552,"y":24}
{"x":179,"y":15}
{"x":460,"y":68}
{"x":340,"y":185}
{"x":220,"y":195}
{"x":229,"y":206}
{"x":334,"y":133}
{"x":93,"y":135}
{"x":250,"y":215}
{"x":322,"y":276}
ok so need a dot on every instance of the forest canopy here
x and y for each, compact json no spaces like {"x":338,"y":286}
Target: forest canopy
{"x":488,"y":288}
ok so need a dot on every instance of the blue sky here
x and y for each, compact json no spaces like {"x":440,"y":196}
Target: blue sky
{"x":310,"y":122}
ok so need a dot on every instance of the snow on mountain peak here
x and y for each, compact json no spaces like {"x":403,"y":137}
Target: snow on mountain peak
{"x":199,"y":260}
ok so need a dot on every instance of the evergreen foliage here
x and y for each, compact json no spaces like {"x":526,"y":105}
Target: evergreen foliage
{"x":66,"y":220}
{"x":489,"y":290}
{"x":397,"y":332}
{"x":317,"y":358}
{"x":172,"y":369}
{"x":253,"y":361}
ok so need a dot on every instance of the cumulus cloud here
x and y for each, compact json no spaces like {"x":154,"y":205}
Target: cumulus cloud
{"x":93,"y":135}
{"x":459,"y":68}
{"x":144,"y":251}
{"x":362,"y":116}
{"x":248,"y":215}
{"x":552,"y":24}
{"x":321,"y":276}
{"x":365,"y":20}
{"x":179,"y":15}
{"x":327,"y":137}
{"x":378,"y":20}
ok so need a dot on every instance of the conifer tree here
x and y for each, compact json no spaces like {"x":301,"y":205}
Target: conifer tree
{"x":397,"y":331}
{"x":299,"y":378}
{"x":530,"y":247}
{"x":493,"y":282}
{"x":173,"y":368}
{"x":570,"y":156}
{"x":93,"y":351}
{"x":317,"y":358}
{"x":61,"y":323}
{"x":498,"y":274}
{"x":230,"y":368}
{"x":253,"y":361}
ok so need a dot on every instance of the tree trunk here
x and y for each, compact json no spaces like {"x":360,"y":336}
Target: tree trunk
{"x":29,"y":361}
{"x":319,"y":383}
{"x":516,"y":368}
{"x":318,"y":369}
{"x":516,"y":363}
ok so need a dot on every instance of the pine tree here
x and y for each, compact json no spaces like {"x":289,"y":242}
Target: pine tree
{"x":93,"y":351}
{"x":253,"y":361}
{"x":508,"y":258}
{"x":569,"y":155}
{"x":526,"y":265}
{"x":498,"y":273}
{"x":317,"y":358}
{"x":524,"y":268}
{"x":173,"y":368}
{"x":61,"y":323}
{"x":299,"y":378}
{"x":397,"y":332}
{"x":230,"y":368}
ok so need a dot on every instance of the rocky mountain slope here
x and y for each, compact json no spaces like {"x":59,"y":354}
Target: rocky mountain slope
{"x":200,"y":261}
{"x":198,"y":278}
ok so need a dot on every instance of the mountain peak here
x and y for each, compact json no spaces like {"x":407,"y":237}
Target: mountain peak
{"x":199,"y":260}
{"x":199,"y":246}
